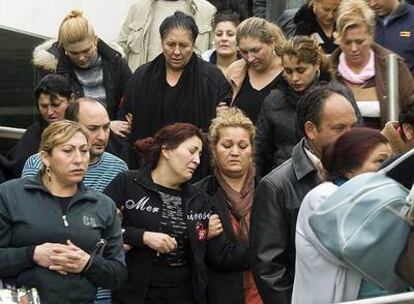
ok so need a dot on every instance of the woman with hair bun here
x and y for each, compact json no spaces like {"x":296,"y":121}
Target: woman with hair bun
{"x":253,"y":77}
{"x":94,"y":68}
{"x":321,"y":278}
{"x":166,"y":222}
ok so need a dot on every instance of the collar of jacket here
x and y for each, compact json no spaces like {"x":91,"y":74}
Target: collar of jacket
{"x":379,"y":52}
{"x":191,"y":3}
{"x":143,"y":178}
{"x":34,"y":183}
{"x":301,"y":163}
{"x":236,"y":74}
{"x":402,"y":9}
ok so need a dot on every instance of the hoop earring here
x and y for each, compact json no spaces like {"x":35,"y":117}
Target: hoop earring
{"x":318,"y":73}
{"x":274,"y":53}
{"x":48,"y":173}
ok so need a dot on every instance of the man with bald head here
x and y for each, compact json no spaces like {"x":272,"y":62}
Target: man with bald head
{"x":323,"y":115}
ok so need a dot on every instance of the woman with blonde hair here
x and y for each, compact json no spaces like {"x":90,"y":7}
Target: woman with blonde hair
{"x":94,"y":68}
{"x":231,"y":189}
{"x":253,"y":77}
{"x":360,"y":63}
{"x":79,"y":245}
{"x":317,"y":19}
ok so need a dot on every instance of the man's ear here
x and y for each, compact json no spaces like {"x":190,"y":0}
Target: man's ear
{"x":408,"y":131}
{"x":311,"y":130}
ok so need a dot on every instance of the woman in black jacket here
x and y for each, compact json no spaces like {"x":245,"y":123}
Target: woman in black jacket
{"x":231,"y":189}
{"x":177,"y":86}
{"x":165,"y":221}
{"x":56,"y":235}
{"x":95,"y":69}
{"x":53,"y":95}
{"x":317,"y":19}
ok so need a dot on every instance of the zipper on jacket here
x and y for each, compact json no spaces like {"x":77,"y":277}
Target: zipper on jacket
{"x":65,"y":222}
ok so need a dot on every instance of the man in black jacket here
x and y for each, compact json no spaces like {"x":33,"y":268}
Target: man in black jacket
{"x":323,"y":115}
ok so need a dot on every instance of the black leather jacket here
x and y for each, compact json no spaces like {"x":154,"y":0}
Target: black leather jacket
{"x":273,"y":223}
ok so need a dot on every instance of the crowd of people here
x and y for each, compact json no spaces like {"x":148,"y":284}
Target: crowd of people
{"x":182,"y":163}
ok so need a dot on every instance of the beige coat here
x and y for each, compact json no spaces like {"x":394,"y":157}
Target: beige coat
{"x":134,"y":33}
{"x":236,"y":73}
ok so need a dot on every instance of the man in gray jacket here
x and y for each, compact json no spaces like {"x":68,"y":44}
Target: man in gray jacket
{"x":323,"y":115}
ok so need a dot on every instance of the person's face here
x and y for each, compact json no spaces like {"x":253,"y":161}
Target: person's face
{"x":68,"y":162}
{"x":234,"y":152}
{"x":325,"y":11}
{"x":95,"y":118}
{"x":225,"y":39}
{"x":257,"y":54}
{"x":356,"y":45}
{"x":177,"y":47}
{"x":299,"y":75}
{"x":337,"y":117}
{"x":383,"y":7}
{"x":374,"y":160}
{"x":82,"y":53}
{"x":52,"y":108}
{"x":184,"y":160}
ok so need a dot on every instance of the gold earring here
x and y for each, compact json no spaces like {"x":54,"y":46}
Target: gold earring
{"x":48,"y":173}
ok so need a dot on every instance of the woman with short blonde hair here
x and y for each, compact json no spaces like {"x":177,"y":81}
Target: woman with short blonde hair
{"x":231,"y":189}
{"x":79,"y":245}
{"x":360,"y":63}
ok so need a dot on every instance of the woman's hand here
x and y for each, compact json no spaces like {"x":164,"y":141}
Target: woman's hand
{"x":160,"y":242}
{"x":42,"y":254}
{"x":215,"y":227}
{"x":120,"y":128}
{"x":221,"y":107}
{"x":68,"y":258}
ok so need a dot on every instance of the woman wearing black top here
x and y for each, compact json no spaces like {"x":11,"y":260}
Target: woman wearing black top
{"x":177,"y":86}
{"x":166,"y":221}
{"x":304,"y":66}
{"x":317,"y":19}
{"x":254,"y":76}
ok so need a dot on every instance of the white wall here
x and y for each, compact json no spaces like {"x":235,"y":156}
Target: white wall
{"x":43,"y":17}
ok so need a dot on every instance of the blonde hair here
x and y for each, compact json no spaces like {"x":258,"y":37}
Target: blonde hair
{"x":354,"y":13}
{"x":75,"y":28}
{"x":58,"y":133}
{"x":307,"y":50}
{"x":231,"y":117}
{"x":263,"y":30}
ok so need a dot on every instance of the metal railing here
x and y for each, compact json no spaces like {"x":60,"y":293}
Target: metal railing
{"x":13,"y":133}
{"x":401,"y":298}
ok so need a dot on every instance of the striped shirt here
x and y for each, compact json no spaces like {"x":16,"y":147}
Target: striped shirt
{"x":98,"y":176}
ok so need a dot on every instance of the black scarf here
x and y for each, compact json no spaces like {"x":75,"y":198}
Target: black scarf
{"x":188,"y":101}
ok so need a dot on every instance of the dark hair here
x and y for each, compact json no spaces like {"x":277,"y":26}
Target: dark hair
{"x":53,"y":85}
{"x":224,"y":16}
{"x":310,"y":105}
{"x":407,"y":112}
{"x":169,"y":137}
{"x":72,"y":111}
{"x":350,"y":151}
{"x":179,"y":20}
